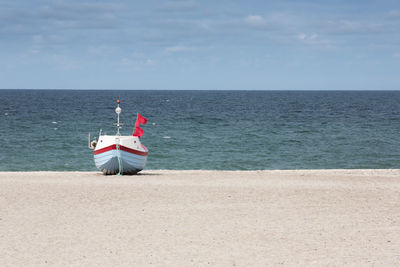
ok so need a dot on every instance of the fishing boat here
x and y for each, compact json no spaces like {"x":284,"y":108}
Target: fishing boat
{"x":118,"y":154}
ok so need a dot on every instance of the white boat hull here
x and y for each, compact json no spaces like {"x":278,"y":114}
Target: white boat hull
{"x":123,"y":155}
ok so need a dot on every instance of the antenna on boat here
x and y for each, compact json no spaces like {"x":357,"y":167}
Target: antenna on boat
{"x":118,"y":111}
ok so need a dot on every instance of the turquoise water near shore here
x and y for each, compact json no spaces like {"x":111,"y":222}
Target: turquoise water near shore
{"x":223,"y":130}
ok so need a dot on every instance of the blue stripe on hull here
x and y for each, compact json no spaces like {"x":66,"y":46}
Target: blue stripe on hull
{"x":107,"y":162}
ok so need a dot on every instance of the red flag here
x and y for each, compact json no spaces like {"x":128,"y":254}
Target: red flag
{"x":138,"y":132}
{"x":139,"y":120}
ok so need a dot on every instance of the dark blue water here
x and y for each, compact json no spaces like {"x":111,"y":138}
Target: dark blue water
{"x":224,"y":130}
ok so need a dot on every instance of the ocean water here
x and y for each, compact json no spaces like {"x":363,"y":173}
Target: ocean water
{"x":223,"y":130}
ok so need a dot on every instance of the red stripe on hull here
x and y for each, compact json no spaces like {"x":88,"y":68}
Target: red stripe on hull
{"x":123,"y":148}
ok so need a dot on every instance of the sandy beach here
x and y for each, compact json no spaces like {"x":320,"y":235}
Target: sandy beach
{"x":201,"y":218}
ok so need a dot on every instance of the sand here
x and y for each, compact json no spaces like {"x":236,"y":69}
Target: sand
{"x":201,"y":218}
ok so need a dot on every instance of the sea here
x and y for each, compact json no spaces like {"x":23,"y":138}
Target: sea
{"x":47,"y":130}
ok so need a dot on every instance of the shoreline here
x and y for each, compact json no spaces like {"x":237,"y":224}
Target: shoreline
{"x":201,"y":217}
{"x":266,"y":173}
{"x":149,"y":171}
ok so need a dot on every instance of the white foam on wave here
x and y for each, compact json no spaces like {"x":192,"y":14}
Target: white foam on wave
{"x":54,"y":122}
{"x":167,"y":137}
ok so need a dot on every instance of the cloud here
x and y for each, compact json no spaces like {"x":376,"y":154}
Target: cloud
{"x":396,"y":55}
{"x":110,"y":28}
{"x":79,"y":15}
{"x":312,"y":39}
{"x":55,"y":17}
{"x":305,"y":37}
{"x":59,"y":27}
{"x":131,"y":63}
{"x":255,"y":20}
{"x":350,"y":27}
{"x":149,"y":62}
{"x":394,"y":14}
{"x":34,"y":51}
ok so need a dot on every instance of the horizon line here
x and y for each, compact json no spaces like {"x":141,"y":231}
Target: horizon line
{"x":119,"y":89}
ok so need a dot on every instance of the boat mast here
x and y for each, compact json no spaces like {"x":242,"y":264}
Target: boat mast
{"x":118,"y":111}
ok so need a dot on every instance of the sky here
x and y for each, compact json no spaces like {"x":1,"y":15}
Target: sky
{"x":200,"y":45}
